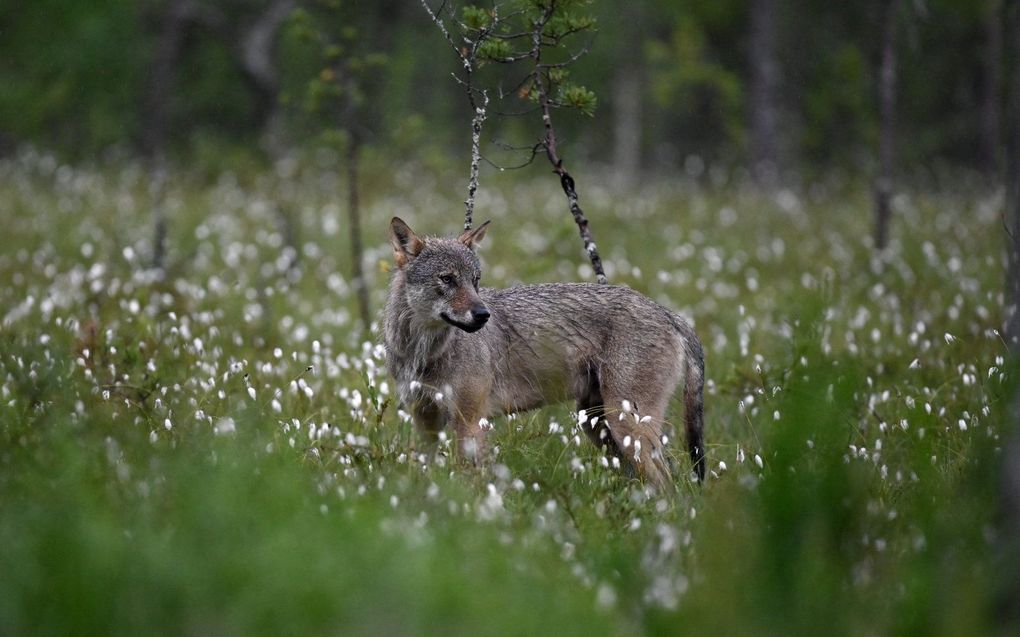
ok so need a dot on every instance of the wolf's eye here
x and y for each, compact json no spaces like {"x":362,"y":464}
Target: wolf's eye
{"x":447,"y":279}
{"x":477,"y":281}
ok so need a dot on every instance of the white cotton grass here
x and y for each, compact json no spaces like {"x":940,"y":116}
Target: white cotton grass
{"x":237,"y":339}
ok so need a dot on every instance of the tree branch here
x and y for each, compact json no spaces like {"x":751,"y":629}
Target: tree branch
{"x":566,"y":181}
{"x":468,"y":58}
{"x":476,"y":153}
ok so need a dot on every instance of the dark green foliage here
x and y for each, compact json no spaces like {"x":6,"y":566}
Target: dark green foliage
{"x":70,"y":72}
{"x":332,"y":70}
{"x":74,"y":75}
{"x":577,"y":97}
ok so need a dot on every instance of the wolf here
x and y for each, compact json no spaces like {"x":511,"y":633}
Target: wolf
{"x":461,"y":354}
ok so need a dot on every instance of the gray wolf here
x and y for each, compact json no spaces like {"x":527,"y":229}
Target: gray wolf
{"x":460,"y":353}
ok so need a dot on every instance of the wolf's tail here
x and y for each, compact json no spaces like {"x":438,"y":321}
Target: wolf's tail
{"x":694,"y":397}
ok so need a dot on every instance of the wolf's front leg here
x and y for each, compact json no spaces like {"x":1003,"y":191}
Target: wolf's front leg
{"x":428,"y":418}
{"x":471,"y":439}
{"x":469,"y":409}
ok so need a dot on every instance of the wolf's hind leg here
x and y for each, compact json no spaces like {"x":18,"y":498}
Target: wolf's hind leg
{"x":588,"y":393}
{"x":638,"y":437}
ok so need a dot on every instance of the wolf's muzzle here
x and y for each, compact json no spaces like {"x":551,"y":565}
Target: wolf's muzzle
{"x":479,"y":317}
{"x":480,"y":314}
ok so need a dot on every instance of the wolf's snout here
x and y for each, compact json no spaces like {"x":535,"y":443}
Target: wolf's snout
{"x":480,"y":314}
{"x":479,"y":317}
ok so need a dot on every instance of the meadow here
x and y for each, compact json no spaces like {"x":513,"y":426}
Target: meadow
{"x":216,"y":448}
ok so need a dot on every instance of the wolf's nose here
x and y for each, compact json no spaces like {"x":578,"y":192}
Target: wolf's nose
{"x":480,"y":314}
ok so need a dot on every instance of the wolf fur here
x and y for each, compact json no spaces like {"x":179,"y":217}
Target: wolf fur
{"x":460,"y":353}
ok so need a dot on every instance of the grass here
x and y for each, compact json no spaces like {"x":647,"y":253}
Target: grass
{"x":217,"y":449}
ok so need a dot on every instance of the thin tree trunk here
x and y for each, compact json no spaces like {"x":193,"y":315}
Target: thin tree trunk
{"x":162,"y":80}
{"x":991,"y":105}
{"x":887,"y":113}
{"x":1012,"y":220}
{"x":157,"y":187}
{"x":480,"y":113}
{"x":162,"y":77}
{"x":257,"y":59}
{"x":256,"y":56}
{"x":1010,"y":502}
{"x":1010,"y":476}
{"x":357,"y":251}
{"x":627,"y":124}
{"x":172,"y":22}
{"x":763,"y":92}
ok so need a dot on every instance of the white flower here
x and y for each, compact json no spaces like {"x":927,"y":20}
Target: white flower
{"x":605,"y":597}
{"x":227,"y":425}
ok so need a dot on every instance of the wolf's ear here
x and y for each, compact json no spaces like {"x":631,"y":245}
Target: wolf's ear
{"x":406,"y":244}
{"x":471,"y":238}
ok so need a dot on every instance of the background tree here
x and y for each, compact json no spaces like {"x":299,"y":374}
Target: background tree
{"x":991,"y":103}
{"x":887,"y":118}
{"x":536,"y":36}
{"x":763,"y":94}
{"x":258,"y":59}
{"x":76,"y":79}
{"x":170,"y":22}
{"x":336,"y":41}
{"x":627,"y":96}
{"x":696,"y":92}
{"x":1012,"y":215}
{"x":1010,"y":477}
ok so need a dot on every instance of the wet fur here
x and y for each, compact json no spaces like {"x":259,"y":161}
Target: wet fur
{"x":599,"y":345}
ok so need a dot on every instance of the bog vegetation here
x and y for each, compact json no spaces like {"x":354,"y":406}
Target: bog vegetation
{"x":215,"y":447}
{"x":197,"y":431}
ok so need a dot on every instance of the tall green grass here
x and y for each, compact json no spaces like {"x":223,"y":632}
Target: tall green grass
{"x":217,"y":449}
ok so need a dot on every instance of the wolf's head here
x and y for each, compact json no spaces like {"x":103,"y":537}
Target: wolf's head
{"x":441,"y":276}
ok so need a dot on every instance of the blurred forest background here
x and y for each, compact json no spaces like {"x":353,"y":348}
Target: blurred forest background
{"x":788,"y":87}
